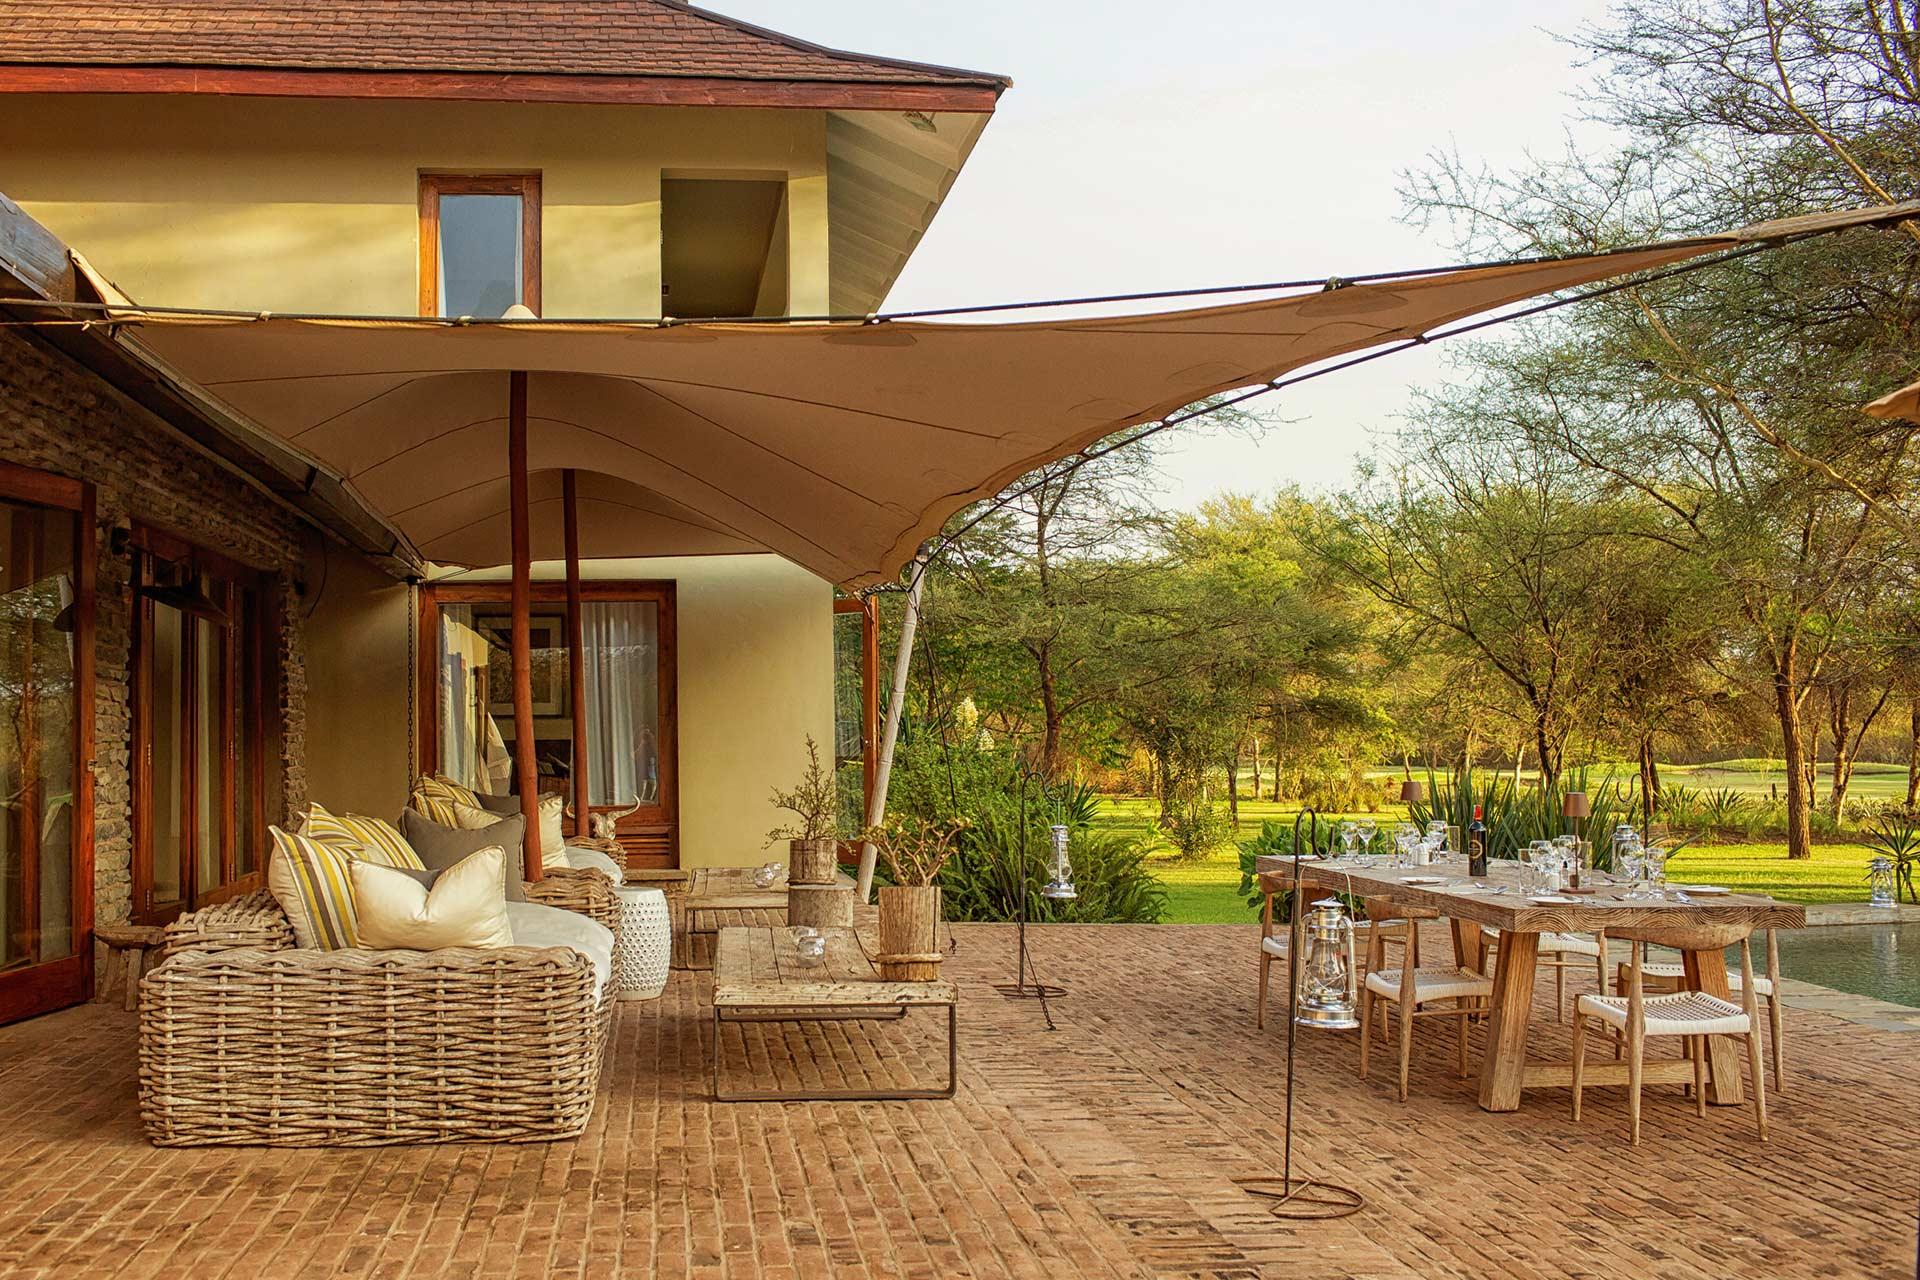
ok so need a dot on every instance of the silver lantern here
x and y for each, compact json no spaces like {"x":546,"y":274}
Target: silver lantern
{"x":1325,"y":994}
{"x":1059,"y":885}
{"x":1884,"y":891}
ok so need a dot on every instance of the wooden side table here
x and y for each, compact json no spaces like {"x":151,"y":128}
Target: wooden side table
{"x":129,"y":944}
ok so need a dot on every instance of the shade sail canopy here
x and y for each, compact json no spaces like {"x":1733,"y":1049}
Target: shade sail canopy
{"x":1904,"y":403}
{"x":841,"y":446}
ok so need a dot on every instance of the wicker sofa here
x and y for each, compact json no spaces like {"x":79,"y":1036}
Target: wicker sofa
{"x":248,"y":1040}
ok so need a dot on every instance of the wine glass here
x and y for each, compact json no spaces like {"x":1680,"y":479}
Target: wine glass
{"x":1348,"y":838}
{"x":1366,"y":828}
{"x":1654,"y":861}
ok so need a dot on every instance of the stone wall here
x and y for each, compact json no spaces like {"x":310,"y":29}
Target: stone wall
{"x":58,"y":417}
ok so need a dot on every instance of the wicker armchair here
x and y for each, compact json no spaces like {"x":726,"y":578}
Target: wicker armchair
{"x":247,"y":1040}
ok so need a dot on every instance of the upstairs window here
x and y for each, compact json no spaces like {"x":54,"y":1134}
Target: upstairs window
{"x":479,"y":244}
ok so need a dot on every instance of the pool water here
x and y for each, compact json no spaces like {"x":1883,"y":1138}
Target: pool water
{"x":1882,"y":961}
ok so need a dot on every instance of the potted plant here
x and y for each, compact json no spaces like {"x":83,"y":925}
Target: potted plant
{"x":813,"y":847}
{"x":914,"y":850}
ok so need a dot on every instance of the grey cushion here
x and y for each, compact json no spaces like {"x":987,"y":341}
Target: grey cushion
{"x":440,"y":847}
{"x":426,"y":878}
{"x":505,"y":806}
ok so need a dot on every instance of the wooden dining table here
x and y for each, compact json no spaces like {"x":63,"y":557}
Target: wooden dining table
{"x":1500,"y":899}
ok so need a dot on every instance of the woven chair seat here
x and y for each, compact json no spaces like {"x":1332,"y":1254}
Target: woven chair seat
{"x":1762,"y":984}
{"x":1684,"y":1013}
{"x":1574,"y":944}
{"x":1430,"y":984}
{"x":1273,"y":946}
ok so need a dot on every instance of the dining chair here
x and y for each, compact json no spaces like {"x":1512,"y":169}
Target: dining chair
{"x":1412,"y":986}
{"x":1558,"y":952}
{"x":1667,"y":975}
{"x":1692,"y":1015}
{"x":1273,"y":950}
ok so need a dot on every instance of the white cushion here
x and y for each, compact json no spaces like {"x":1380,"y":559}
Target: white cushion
{"x":1431,"y":984}
{"x":592,"y":859}
{"x":1273,"y":946}
{"x":537,"y":925}
{"x":1685,"y":1013}
{"x":464,"y":908}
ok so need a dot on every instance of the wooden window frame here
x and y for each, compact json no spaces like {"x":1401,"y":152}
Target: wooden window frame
{"x":249,"y":688}
{"x":435,"y":185}
{"x":67,"y":980}
{"x":656,"y":826}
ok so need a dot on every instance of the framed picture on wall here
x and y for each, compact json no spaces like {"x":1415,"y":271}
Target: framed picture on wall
{"x":547,"y":644}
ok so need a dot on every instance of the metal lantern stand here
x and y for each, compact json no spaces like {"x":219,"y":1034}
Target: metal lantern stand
{"x":1059,"y":888}
{"x":1301,"y":1199}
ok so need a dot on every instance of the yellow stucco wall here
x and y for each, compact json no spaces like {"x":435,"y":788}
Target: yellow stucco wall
{"x":755,"y":658}
{"x":312,"y":205}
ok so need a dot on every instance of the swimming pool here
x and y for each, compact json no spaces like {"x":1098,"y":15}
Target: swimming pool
{"x":1878,"y":960}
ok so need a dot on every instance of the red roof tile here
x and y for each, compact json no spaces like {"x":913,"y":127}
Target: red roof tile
{"x":552,"y":37}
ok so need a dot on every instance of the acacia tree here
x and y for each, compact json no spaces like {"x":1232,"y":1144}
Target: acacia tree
{"x":1730,"y":397}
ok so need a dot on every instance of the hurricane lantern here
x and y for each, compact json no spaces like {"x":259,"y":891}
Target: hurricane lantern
{"x":1059,"y":886}
{"x":1326,"y":996}
{"x":1880,"y":883}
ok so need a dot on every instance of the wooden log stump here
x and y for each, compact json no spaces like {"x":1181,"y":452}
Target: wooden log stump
{"x":824,"y":906}
{"x":812,"y":862}
{"x":909,"y":942}
{"x":128,"y":944}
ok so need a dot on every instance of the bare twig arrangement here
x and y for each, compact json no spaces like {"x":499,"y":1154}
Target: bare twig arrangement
{"x":816,"y":802}
{"x":916,"y":848}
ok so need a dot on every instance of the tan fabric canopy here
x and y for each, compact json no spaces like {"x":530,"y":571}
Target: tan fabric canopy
{"x":839,"y":446}
{"x":1904,"y":403}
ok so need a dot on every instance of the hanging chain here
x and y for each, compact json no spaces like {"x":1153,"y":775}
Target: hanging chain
{"x":413,"y":671}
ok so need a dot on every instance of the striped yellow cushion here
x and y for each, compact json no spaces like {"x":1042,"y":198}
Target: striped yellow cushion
{"x":370,"y":839}
{"x":435,"y":798}
{"x":313,"y":883}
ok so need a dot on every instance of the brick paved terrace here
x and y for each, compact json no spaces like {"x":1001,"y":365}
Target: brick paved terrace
{"x":1109,"y":1147}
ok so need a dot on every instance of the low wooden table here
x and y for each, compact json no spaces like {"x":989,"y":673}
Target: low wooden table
{"x":1505,"y":1070}
{"x":725,"y":897}
{"x":758,"y":976}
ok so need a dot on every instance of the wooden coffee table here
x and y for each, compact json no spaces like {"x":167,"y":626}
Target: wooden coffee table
{"x":724,"y":897}
{"x":758,"y":976}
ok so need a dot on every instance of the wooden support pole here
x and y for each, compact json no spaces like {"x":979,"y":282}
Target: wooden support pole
{"x":576,"y":659}
{"x":523,"y":754}
{"x":869,"y":697}
{"x":877,"y":797}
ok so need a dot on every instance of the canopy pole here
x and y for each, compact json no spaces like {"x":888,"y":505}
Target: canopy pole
{"x":576,"y":657}
{"x":877,"y":794}
{"x":523,"y":753}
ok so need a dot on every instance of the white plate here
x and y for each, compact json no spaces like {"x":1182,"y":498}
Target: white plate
{"x":1553,"y":900}
{"x":1423,"y":880}
{"x":1705,"y":890}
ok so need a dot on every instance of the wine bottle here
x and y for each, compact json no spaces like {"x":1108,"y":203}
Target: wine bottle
{"x":1477,"y":845}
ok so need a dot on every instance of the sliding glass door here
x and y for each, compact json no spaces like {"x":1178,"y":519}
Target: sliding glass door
{"x":627,"y":699}
{"x":46,"y":712}
{"x":202,"y":642}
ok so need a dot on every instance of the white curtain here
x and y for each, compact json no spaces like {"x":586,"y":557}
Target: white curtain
{"x":622,"y":663}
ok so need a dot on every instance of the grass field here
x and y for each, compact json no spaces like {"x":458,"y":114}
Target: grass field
{"x":1206,"y":890}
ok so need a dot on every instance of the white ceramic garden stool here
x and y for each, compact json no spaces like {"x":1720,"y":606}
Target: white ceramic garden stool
{"x":644,"y":944}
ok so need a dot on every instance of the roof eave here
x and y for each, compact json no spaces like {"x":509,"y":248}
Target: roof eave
{"x":472,"y":86}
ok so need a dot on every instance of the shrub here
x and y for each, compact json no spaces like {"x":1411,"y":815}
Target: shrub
{"x":1895,"y":836}
{"x":1196,"y":826}
{"x":1515,"y":820}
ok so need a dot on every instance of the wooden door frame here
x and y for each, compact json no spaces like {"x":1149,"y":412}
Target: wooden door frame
{"x":251,"y":632}
{"x":67,"y":980}
{"x":665,"y":818}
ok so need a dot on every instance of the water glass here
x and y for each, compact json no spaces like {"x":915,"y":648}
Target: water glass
{"x":1654,"y":860}
{"x":1626,"y":866}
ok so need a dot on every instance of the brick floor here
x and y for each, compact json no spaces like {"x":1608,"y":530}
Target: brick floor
{"x":1106,"y":1148}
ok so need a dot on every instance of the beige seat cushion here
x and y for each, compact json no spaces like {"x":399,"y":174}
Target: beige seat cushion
{"x":464,"y":908}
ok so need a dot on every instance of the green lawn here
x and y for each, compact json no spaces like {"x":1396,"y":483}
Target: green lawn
{"x":1206,"y":891}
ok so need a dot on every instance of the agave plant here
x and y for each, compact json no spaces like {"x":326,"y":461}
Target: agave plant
{"x":1895,"y":836}
{"x":1516,"y":818}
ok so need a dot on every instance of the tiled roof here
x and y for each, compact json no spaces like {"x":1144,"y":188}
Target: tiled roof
{"x":553,"y":37}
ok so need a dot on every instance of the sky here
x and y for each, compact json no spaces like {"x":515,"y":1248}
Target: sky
{"x":1152,"y":145}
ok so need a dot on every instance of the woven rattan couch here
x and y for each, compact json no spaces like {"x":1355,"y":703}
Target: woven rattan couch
{"x":248,"y":1040}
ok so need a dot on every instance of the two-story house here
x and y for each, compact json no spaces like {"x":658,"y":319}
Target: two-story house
{"x":582,"y":158}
